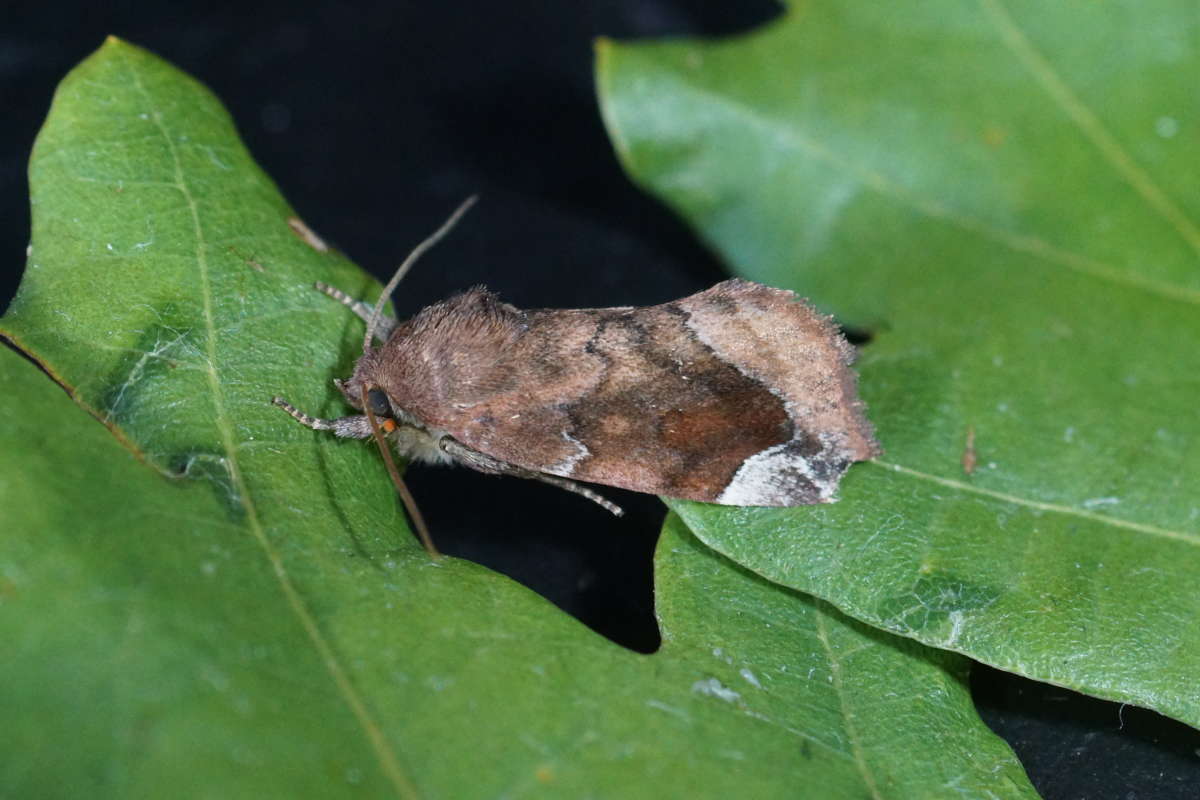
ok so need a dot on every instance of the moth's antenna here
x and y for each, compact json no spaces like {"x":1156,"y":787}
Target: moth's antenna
{"x":410,"y":504}
{"x":417,"y":252}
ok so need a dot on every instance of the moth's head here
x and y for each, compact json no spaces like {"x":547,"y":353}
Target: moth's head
{"x":367,"y":381}
{"x":368,"y":375}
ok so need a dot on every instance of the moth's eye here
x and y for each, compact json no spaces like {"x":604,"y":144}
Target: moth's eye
{"x":380,"y":406}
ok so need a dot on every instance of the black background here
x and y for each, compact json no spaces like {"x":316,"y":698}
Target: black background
{"x":376,"y":119}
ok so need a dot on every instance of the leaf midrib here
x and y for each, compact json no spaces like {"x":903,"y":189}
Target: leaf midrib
{"x":835,"y":673}
{"x":1088,"y":123}
{"x":388,"y":761}
{"x":884,"y":186}
{"x":1166,"y":533}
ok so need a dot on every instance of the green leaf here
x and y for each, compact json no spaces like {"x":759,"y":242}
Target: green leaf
{"x":1004,"y":193}
{"x":150,"y":642}
{"x":235,"y":609}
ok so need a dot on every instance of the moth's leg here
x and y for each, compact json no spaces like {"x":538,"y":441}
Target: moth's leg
{"x":345,"y":427}
{"x":384,"y":327}
{"x":577,"y":488}
{"x":482,"y":462}
{"x":357,"y":306}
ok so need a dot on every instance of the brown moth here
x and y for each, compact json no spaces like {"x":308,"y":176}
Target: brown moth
{"x":738,"y":395}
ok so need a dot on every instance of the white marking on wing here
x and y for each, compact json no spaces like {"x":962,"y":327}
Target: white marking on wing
{"x":566,"y":467}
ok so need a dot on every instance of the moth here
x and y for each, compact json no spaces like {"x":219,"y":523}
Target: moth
{"x":738,"y":395}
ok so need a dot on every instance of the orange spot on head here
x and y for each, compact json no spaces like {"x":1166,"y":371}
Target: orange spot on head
{"x":388,"y":425}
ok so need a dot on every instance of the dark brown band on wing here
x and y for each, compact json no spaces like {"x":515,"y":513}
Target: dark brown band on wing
{"x":668,"y":415}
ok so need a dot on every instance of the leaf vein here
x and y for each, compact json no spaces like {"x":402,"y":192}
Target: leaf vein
{"x":388,"y":761}
{"x":835,"y":671}
{"x":884,"y":186}
{"x":1153,"y":530}
{"x":1088,"y":123}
